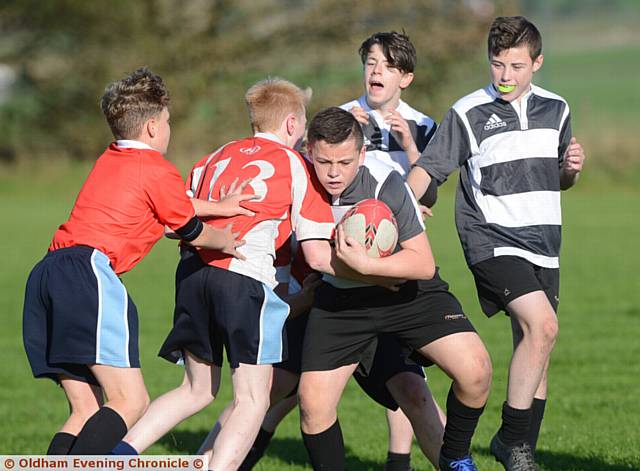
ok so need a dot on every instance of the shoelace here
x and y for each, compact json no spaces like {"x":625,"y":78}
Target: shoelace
{"x":522,"y":458}
{"x":465,"y":464}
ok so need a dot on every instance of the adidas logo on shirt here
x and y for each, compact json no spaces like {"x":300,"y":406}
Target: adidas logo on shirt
{"x":494,"y":122}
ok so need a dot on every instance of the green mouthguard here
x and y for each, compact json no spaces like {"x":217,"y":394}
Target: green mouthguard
{"x":506,"y":88}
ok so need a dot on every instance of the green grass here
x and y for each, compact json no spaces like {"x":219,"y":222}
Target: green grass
{"x":593,"y":414}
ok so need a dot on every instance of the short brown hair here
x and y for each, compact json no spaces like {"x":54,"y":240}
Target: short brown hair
{"x":271,"y":100}
{"x":334,"y":126}
{"x":514,"y":31}
{"x":129,"y":103}
{"x":396,"y":47}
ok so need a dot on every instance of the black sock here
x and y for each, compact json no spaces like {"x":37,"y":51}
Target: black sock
{"x":326,"y":449}
{"x":398,"y":462}
{"x":61,"y":443}
{"x":515,"y":425}
{"x":100,"y":434}
{"x":257,"y":450}
{"x":537,"y":413}
{"x":461,"y":423}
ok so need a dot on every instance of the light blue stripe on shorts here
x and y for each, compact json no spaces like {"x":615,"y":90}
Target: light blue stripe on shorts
{"x":112,"y":332}
{"x":273,"y":315}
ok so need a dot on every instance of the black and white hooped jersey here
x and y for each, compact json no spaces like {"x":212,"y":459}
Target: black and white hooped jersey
{"x":380,"y":142}
{"x":377,"y":180}
{"x":510,"y":155}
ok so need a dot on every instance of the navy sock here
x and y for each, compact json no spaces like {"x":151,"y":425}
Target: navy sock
{"x":326,"y":449}
{"x":124,"y":448}
{"x":537,"y":414}
{"x":61,"y":443}
{"x":461,"y":424}
{"x":100,"y":434}
{"x":515,"y":425}
{"x":398,"y":462}
{"x":257,"y":450}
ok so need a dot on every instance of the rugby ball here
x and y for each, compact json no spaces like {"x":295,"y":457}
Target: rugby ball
{"x":373,"y":225}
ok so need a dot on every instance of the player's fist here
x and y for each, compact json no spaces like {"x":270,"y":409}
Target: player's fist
{"x":360,"y":114}
{"x":574,"y":158}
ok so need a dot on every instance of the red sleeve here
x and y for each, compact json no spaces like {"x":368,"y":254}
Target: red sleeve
{"x":311,"y":215}
{"x":165,"y":189}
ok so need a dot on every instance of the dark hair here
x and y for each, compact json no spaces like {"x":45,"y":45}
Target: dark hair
{"x":334,"y":126}
{"x":129,"y":103}
{"x":514,"y":31}
{"x":396,"y":47}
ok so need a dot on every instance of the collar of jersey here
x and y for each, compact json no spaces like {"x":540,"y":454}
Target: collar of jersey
{"x":269,"y":136}
{"x":131,"y":144}
{"x":496,"y":95}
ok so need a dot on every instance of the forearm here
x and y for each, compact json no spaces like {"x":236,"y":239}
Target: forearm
{"x":418,"y":180}
{"x":321,"y":257}
{"x":205,"y":208}
{"x":210,"y":238}
{"x":406,"y":264}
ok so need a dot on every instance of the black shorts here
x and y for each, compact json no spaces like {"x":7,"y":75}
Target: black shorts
{"x":345,"y":323}
{"x":76,"y":313}
{"x":500,"y":280}
{"x":295,"y":329}
{"x":390,"y":359}
{"x":218,"y":308}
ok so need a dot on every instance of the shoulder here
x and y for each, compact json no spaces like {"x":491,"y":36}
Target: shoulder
{"x":350,"y":104}
{"x":411,"y":114}
{"x":541,"y":92}
{"x":377,"y":169}
{"x":480,"y":97}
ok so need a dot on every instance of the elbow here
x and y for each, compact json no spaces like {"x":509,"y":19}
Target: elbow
{"x":316,"y":262}
{"x":431,"y":195}
{"x":429,"y":272}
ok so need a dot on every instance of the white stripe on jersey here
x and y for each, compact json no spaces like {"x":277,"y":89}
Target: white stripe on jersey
{"x":520,"y":209}
{"x":516,"y":145}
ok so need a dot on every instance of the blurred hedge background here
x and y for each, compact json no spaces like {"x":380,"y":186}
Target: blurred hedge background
{"x":56,"y":57}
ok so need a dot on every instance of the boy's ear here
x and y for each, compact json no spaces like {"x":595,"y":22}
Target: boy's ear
{"x":537,"y":62}
{"x":150,"y":127}
{"x":291,"y":124}
{"x":405,"y":81}
{"x":363,"y":151}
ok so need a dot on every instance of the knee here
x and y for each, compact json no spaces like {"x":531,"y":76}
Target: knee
{"x":258,"y":401}
{"x":545,"y":332}
{"x":412,"y":395}
{"x":477,"y":378}
{"x":198,"y":395}
{"x":84,"y":408}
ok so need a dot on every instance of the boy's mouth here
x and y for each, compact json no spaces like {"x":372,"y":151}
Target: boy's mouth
{"x":375,"y":85}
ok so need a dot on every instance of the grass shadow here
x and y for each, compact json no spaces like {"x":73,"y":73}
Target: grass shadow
{"x":286,"y":450}
{"x":559,"y":461}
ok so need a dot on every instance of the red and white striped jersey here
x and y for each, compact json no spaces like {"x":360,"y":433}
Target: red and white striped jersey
{"x":289,"y":199}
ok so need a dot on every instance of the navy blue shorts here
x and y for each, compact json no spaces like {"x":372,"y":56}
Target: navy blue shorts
{"x":76,"y":313}
{"x":390,"y":359}
{"x":218,"y":308}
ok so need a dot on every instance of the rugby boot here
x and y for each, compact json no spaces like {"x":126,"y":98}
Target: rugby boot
{"x":513,"y":458}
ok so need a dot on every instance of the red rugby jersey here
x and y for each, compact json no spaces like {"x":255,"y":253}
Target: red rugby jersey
{"x":123,"y":206}
{"x":289,"y":200}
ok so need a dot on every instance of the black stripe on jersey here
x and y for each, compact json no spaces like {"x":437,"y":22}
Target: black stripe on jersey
{"x":479,"y":245}
{"x":419,"y":134}
{"x":483,"y":124}
{"x":543,"y":239}
{"x":373,"y":134}
{"x":544,"y":113}
{"x":520,"y":176}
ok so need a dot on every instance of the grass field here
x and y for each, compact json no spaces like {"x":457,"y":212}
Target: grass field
{"x":593,"y":415}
